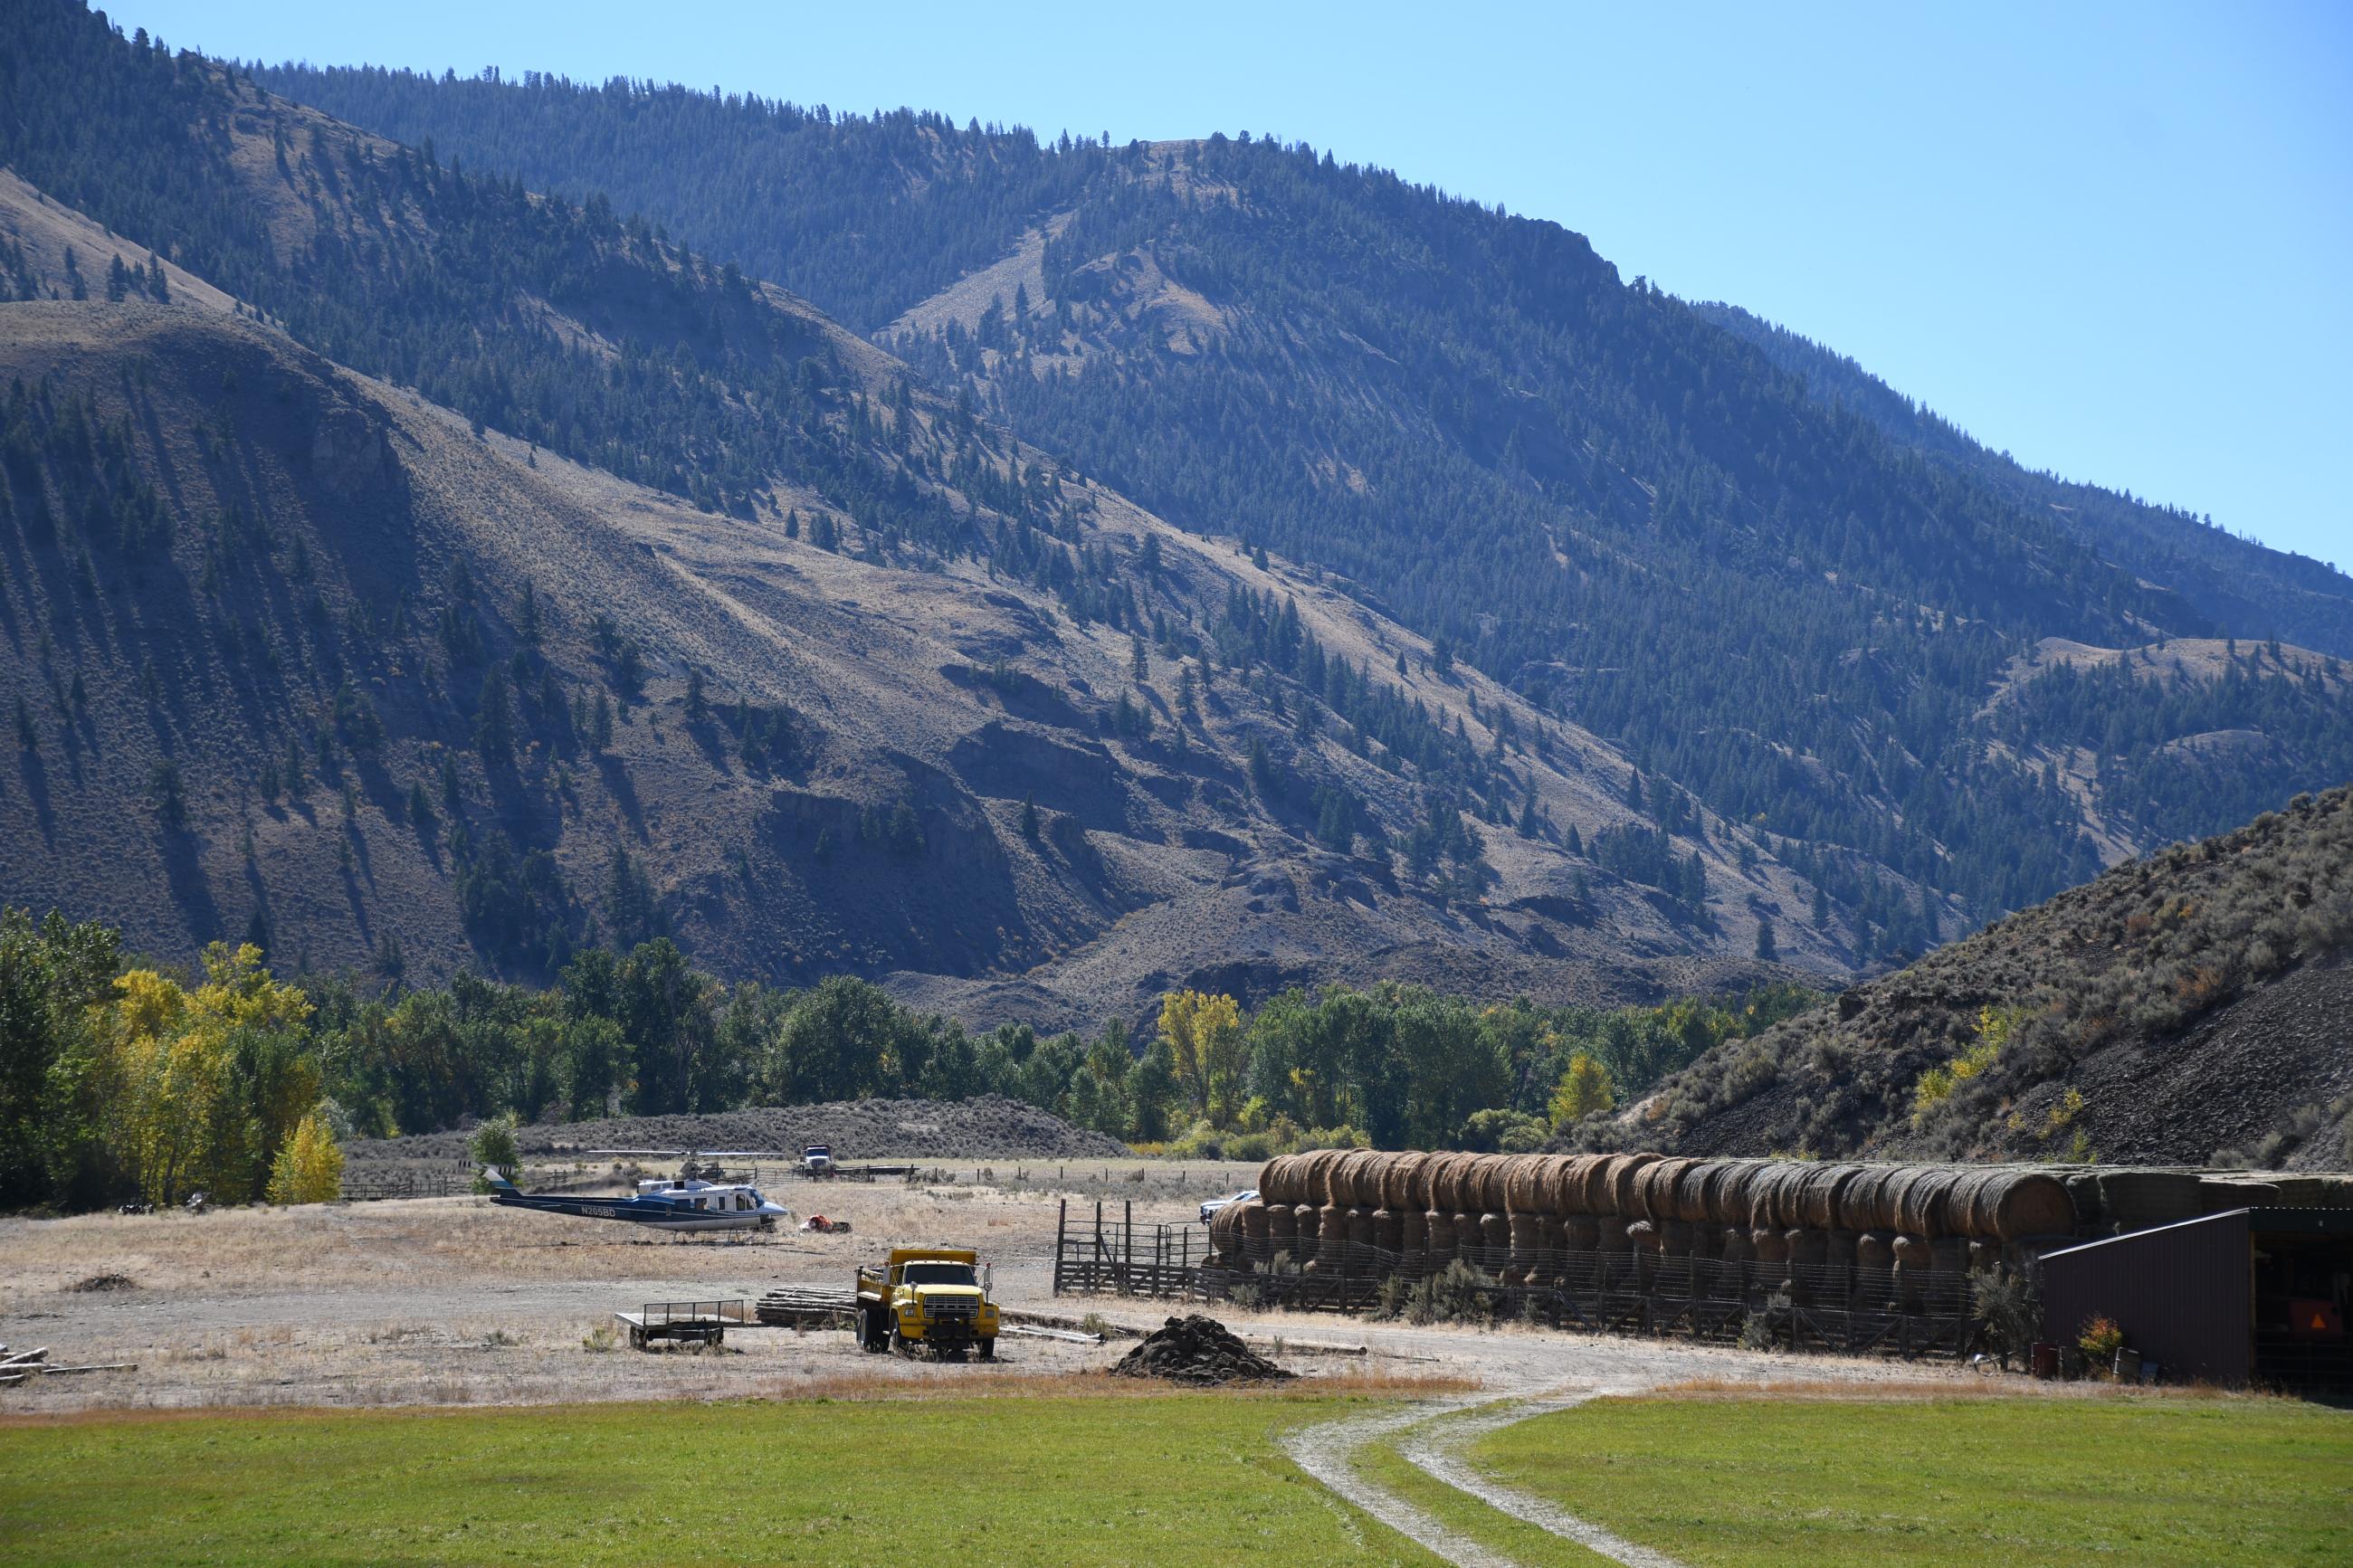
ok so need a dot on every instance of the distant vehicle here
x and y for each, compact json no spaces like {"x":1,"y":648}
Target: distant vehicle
{"x":929,"y":1296}
{"x":657,"y":1204}
{"x":1214,"y":1204}
{"x":817,"y":1160}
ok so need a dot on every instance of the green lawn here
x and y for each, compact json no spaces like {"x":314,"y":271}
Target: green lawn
{"x":2019,"y":1483}
{"x":1153,"y":1480}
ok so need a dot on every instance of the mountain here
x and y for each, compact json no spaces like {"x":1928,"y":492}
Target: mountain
{"x":2184,"y":1008}
{"x":2235,"y":582}
{"x":1774,"y":596}
{"x":408,"y":570}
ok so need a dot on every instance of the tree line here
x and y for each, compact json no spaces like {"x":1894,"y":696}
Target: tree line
{"x":125,"y":1080}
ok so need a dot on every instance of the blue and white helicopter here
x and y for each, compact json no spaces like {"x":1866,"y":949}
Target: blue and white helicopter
{"x":687,"y":1203}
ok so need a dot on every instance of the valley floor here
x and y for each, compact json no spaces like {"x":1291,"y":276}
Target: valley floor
{"x":1431,"y":1444}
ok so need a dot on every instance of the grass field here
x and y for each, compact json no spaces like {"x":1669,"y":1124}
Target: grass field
{"x":2021,"y":1482}
{"x":1113,"y":1479}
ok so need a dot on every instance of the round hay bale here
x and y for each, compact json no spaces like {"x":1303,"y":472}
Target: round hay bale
{"x":1624,"y":1168}
{"x":1315,"y":1175}
{"x":1282,"y":1227}
{"x":1360,"y":1227}
{"x":1819,"y":1189}
{"x":1725,"y":1200}
{"x":1654,"y":1189}
{"x":1331,"y":1235}
{"x":2139,"y":1199}
{"x":1593,"y":1181}
{"x":1257,"y":1220}
{"x":1769,"y":1243}
{"x":1581,"y":1232}
{"x":1525,"y":1235}
{"x":1467,"y":1239}
{"x":1732,"y":1244}
{"x":1691,"y":1189}
{"x":1564,"y":1186}
{"x":1438,"y":1232}
{"x":1921,"y":1207}
{"x":2013,"y":1205}
{"x":1873,"y":1250}
{"x":1446,"y":1182}
{"x":1808,"y":1247}
{"x":1404,"y":1184}
{"x":1551,"y":1237}
{"x":1869,"y":1201}
{"x":1347,"y":1189}
{"x":1274,"y":1181}
{"x":1773,"y":1198}
{"x":1912,"y":1252}
{"x":1486,"y":1185}
{"x":1307,"y":1226}
{"x":1643,"y":1235}
{"x":1496,"y":1233}
{"x":1734,"y":1198}
{"x":2083,"y":1191}
{"x":1413,"y":1236}
{"x":1521,"y":1175}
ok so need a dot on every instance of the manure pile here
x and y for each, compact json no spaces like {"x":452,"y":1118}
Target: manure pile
{"x":1194,"y":1349}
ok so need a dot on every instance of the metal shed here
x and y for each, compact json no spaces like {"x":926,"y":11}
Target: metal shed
{"x":2252,"y":1295}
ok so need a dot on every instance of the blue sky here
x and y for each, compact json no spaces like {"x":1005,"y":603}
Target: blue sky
{"x":2115,"y":241}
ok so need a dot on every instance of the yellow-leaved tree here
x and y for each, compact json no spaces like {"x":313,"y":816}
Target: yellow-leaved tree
{"x":309,"y":1164}
{"x":1204,"y":1032}
{"x":1583,"y":1089}
{"x":203,"y":1085}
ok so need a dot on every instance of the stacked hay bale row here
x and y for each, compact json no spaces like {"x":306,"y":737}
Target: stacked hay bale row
{"x":1519,"y":1214}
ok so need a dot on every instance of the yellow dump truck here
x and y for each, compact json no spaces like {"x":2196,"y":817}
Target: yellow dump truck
{"x":927,"y":1297}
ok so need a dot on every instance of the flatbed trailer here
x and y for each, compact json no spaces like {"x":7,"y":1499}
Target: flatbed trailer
{"x":688,"y":1322}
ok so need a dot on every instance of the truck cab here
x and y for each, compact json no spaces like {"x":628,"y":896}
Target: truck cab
{"x":928,"y":1296}
{"x":817,"y":1160}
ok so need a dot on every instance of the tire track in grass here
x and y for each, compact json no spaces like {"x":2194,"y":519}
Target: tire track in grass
{"x":1436,"y":1451}
{"x":1327,"y":1450}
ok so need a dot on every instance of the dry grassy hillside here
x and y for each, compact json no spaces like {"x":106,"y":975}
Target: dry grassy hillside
{"x":269,"y":719}
{"x":2185,"y":1008}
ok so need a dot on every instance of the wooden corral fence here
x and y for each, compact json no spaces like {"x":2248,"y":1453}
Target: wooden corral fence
{"x":368,"y":1186}
{"x":1846,"y":1309}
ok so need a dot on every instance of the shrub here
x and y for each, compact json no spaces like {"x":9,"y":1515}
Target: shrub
{"x":493,"y":1144}
{"x":2099,"y":1340}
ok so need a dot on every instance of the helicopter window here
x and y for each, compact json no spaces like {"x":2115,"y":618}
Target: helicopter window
{"x":702,"y":1203}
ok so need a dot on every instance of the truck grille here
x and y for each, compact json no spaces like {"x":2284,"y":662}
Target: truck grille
{"x":957,"y":1308}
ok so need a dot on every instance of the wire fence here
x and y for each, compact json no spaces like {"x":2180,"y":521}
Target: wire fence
{"x":1845,"y":1308}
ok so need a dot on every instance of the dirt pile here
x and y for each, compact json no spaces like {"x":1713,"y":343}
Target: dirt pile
{"x":987,"y":1127}
{"x":1194,"y":1348}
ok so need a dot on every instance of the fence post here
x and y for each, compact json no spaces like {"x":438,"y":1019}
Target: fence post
{"x":1127,"y":1249}
{"x":1062,"y":1223}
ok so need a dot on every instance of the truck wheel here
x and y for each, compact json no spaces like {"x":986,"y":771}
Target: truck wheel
{"x":988,"y":1350}
{"x":898,"y":1343}
{"x":872,"y":1337}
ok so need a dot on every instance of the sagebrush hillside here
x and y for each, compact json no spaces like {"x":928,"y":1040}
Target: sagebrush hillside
{"x":2186,"y":1007}
{"x":1768,"y":591}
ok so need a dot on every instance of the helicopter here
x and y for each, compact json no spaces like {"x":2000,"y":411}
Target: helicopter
{"x":691,"y":1202}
